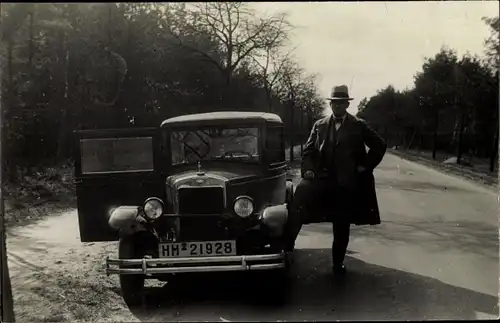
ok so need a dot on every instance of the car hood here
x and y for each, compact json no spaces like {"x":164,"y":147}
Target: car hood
{"x":209,"y":177}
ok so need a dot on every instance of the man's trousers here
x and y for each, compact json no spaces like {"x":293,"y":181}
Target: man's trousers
{"x":320,"y":200}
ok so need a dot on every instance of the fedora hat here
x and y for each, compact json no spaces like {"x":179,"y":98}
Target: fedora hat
{"x":340,"y":93}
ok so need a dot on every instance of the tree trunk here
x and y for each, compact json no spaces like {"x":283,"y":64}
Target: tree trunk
{"x":435,"y":135}
{"x":227,"y":77}
{"x":30,"y":48}
{"x":292,"y":124}
{"x":309,"y":118}
{"x":6,"y":298}
{"x":494,"y":148}
{"x":412,"y":138}
{"x":61,"y":149}
{"x":8,"y":155}
{"x":31,"y":100}
{"x":7,"y":306}
{"x":301,"y":132}
{"x":269,"y":98}
{"x":460,"y":137}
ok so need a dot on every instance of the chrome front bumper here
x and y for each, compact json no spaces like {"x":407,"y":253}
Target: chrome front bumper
{"x":197,"y":264}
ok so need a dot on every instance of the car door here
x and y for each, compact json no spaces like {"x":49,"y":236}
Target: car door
{"x":113,"y":168}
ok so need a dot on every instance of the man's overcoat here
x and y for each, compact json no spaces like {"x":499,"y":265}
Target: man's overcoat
{"x":345,"y":148}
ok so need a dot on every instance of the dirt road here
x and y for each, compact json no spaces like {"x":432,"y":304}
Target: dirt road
{"x":435,"y":256}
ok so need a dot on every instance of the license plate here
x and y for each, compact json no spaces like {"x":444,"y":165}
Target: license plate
{"x":198,"y":249}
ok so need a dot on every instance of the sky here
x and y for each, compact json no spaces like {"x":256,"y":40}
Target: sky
{"x":370,"y":45}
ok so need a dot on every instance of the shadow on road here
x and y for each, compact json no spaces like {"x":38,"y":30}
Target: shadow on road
{"x":433,"y":235}
{"x":369,"y":292}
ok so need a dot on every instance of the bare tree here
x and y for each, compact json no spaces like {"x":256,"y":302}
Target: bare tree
{"x":289,"y":89}
{"x":234,"y":26}
{"x":299,"y":90}
{"x":271,"y":70}
{"x":312,"y":102}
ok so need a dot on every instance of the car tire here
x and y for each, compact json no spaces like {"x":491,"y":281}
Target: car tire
{"x":278,"y":284}
{"x":132,"y":286}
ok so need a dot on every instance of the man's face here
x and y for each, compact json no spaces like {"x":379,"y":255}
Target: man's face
{"x":339,"y":107}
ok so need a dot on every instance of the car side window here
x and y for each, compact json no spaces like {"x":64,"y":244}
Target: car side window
{"x":111,"y":155}
{"x":275,"y":145}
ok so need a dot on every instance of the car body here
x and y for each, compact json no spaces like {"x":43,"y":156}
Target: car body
{"x":200,"y":193}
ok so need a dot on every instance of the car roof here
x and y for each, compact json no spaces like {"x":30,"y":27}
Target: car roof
{"x":223,"y":116}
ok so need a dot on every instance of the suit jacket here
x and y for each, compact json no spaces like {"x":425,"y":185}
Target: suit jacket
{"x":346,"y":151}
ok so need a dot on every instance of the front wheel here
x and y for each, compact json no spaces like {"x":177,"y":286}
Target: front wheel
{"x":132,"y":286}
{"x":278,"y":286}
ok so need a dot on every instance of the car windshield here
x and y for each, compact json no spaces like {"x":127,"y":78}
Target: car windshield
{"x":224,"y":144}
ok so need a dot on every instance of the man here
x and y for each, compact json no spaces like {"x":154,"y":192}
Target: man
{"x":338,"y":184}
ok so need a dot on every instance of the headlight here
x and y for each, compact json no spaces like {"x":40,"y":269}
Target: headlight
{"x":153,"y":208}
{"x":243,"y":206}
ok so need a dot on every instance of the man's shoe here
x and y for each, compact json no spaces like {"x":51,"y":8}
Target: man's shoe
{"x":339,"y":270}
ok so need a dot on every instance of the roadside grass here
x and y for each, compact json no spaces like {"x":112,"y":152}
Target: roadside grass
{"x":65,"y":293}
{"x":37,"y":193}
{"x":56,"y":282}
{"x":477,"y":171}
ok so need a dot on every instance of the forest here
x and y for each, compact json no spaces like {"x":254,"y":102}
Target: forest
{"x":452,"y":107}
{"x":107,"y":65}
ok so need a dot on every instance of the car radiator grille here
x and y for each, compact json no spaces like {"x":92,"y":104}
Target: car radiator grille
{"x":202,"y":228}
{"x":201,"y":200}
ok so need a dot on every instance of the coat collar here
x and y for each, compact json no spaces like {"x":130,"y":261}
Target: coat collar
{"x":347,"y":118}
{"x":344,"y":117}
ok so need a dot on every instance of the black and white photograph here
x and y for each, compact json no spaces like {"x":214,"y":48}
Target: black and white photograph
{"x":249,"y":161}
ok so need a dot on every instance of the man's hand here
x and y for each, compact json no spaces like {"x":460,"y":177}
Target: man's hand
{"x":309,"y":174}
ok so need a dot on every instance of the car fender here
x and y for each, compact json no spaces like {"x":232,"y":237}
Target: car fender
{"x":127,"y":220}
{"x":275,"y":218}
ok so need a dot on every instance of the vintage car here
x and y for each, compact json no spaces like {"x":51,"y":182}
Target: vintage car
{"x":200,"y":193}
